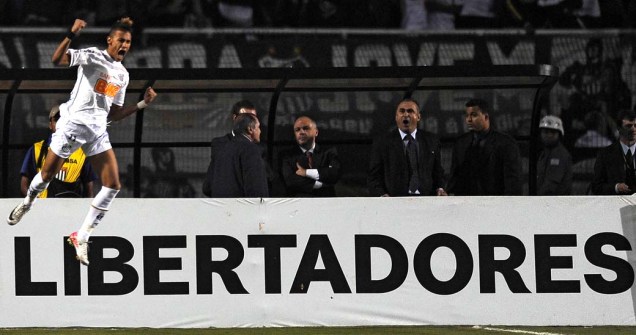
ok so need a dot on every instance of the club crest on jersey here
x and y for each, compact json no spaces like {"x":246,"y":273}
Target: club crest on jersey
{"x":66,"y":147}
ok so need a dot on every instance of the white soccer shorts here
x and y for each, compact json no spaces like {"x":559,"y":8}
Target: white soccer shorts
{"x":70,"y":136}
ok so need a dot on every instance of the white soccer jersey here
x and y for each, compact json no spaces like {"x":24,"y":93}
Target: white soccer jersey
{"x":101,"y":82}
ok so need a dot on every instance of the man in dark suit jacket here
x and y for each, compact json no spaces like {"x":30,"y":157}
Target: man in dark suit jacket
{"x":406,"y":161}
{"x":485,"y":161}
{"x":241,"y":172}
{"x":243,"y":106}
{"x":309,"y":170}
{"x":614,"y":166}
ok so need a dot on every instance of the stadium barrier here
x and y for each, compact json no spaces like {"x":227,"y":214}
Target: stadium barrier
{"x":189,"y":263}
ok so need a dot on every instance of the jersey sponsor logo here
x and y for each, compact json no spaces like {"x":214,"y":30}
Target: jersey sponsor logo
{"x":106,"y":88}
{"x":70,"y":161}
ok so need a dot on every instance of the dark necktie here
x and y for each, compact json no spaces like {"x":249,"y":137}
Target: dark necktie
{"x":310,"y":159}
{"x":411,"y":154}
{"x":630,"y":176}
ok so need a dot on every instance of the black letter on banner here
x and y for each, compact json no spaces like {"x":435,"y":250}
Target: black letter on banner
{"x":319,"y":244}
{"x":488,"y":265}
{"x":72,"y":274}
{"x":153,"y":264}
{"x":422,"y":264}
{"x":99,"y":265}
{"x":206,"y":266}
{"x":544,"y":263}
{"x":271,"y":245}
{"x":23,"y":284}
{"x":399,"y":264}
{"x":624,"y":271}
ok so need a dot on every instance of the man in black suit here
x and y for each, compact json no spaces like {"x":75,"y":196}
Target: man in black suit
{"x":614,"y":167}
{"x":309,"y":170}
{"x":243,"y":106}
{"x":406,"y":161}
{"x":241,"y":172}
{"x":485,"y":161}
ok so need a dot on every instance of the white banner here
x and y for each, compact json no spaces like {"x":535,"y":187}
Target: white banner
{"x":337,"y":262}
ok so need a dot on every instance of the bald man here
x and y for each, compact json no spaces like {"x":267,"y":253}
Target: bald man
{"x":309,"y":170}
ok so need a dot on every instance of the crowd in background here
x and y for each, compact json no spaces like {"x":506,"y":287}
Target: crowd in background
{"x":406,"y":14}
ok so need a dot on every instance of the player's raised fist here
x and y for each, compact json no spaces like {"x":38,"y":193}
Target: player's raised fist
{"x":149,"y":95}
{"x":78,"y":25}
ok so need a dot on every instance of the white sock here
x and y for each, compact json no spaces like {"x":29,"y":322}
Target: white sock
{"x":96,"y":213}
{"x":35,"y":188}
{"x":92,"y":219}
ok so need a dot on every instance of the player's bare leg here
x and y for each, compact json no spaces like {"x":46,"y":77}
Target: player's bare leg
{"x":40,"y":182}
{"x":105,"y":164}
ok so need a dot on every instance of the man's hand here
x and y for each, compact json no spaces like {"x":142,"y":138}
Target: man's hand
{"x":441,"y":192}
{"x":78,"y":25}
{"x":622,"y":188}
{"x":301,"y":171}
{"x":149,"y":95}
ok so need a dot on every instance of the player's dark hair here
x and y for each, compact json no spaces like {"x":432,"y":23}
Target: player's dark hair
{"x":480,"y":103}
{"x":123,"y":24}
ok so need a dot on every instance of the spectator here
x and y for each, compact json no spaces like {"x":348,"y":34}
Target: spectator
{"x":235,"y":13}
{"x":614,"y":167}
{"x":309,"y":170}
{"x":596,"y":133}
{"x":519,"y":13}
{"x":325,"y":13}
{"x":376,"y":14}
{"x":589,"y":15}
{"x":554,"y":167}
{"x":406,"y":161}
{"x":596,"y":86}
{"x":168,"y":13}
{"x":441,"y":13}
{"x":414,"y":16}
{"x":241,"y":172}
{"x":74,"y":180}
{"x":557,"y":14}
{"x":485,"y":161}
{"x":166,"y":181}
{"x":479,"y":14}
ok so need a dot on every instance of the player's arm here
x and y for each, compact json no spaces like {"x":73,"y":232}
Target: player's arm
{"x":117,"y":113}
{"x":60,"y":57}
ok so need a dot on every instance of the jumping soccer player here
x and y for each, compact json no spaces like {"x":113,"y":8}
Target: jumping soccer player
{"x":97,"y":97}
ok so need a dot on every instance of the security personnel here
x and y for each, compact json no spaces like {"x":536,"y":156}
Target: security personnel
{"x":554,"y":167}
{"x":74,"y":180}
